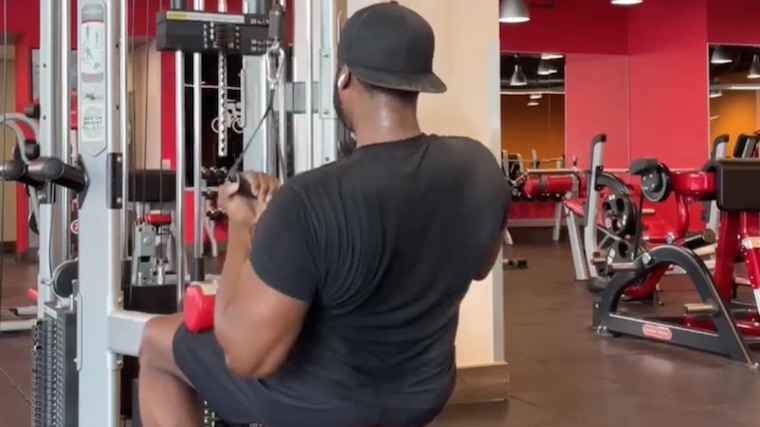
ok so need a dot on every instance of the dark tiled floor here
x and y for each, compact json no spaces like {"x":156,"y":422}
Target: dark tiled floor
{"x":562,"y":375}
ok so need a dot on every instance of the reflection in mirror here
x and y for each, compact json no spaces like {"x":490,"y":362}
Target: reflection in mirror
{"x":734,"y":93}
{"x":533,"y":132}
{"x":533,"y":109}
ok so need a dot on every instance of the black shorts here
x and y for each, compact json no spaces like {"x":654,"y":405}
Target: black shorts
{"x":244,"y":401}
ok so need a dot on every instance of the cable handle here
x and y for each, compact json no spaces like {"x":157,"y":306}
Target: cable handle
{"x":244,"y":187}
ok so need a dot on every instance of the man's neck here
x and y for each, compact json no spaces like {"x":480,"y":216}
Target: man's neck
{"x":386,"y":129}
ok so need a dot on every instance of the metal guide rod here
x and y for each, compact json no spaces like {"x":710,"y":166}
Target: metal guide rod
{"x":253,"y":80}
{"x":49,"y":231}
{"x":181,"y":173}
{"x":198,"y":212}
{"x":126,"y":161}
{"x":282,"y":119}
{"x":64,"y":37}
{"x":222,"y":148}
{"x":330,"y":13}
{"x":98,"y":294}
{"x":282,"y":115}
{"x":310,"y":83}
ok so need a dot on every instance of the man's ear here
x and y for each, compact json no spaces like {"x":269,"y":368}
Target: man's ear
{"x":344,"y":78}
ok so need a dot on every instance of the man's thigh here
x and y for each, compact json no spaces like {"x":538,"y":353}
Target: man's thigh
{"x":201,"y":360}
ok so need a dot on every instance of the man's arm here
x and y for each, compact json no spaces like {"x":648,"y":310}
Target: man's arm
{"x":266,"y":287}
{"x":499,"y":239}
{"x":485,"y":270}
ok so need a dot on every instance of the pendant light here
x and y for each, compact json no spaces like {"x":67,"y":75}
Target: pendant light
{"x":546,"y":68}
{"x":754,"y":69}
{"x":715,"y":93}
{"x":513,"y":12}
{"x":626,"y":2}
{"x":720,"y":56}
{"x":550,"y":56}
{"x":518,"y":77}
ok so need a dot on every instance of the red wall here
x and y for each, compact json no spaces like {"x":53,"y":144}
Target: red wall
{"x":733,"y":22}
{"x":669,"y":109}
{"x":668,"y":81}
{"x":580,"y":26}
{"x":596,"y":98}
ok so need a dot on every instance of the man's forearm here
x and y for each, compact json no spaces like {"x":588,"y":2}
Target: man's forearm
{"x":239,"y":245}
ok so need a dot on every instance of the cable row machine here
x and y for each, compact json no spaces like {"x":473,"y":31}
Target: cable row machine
{"x":90,"y":314}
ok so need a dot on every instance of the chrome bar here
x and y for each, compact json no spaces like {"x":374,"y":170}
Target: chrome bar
{"x":123,"y":102}
{"x":179,"y":218}
{"x":310,"y":82}
{"x":198,"y":213}
{"x":64,"y":120}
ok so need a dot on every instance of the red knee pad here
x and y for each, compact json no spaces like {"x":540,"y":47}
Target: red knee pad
{"x":199,"y":307}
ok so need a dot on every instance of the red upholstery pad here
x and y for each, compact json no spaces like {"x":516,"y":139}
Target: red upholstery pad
{"x":158,"y":219}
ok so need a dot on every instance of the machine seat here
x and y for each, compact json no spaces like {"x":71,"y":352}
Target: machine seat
{"x":158,"y":219}
{"x":576,"y":206}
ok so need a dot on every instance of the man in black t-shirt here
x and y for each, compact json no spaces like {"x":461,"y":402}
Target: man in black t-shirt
{"x":342,"y":309}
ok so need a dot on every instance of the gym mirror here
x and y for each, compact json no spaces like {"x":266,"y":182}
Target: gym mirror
{"x":734,"y":95}
{"x":533,"y":108}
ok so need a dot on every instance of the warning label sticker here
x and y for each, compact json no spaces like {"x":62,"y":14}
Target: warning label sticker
{"x":93,"y":123}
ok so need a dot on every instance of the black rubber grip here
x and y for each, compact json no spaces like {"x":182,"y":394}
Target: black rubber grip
{"x":244,"y":187}
{"x":58,"y":172}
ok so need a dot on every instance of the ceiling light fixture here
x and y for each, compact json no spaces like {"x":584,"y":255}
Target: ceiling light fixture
{"x":546,"y":68}
{"x":626,"y":2}
{"x":518,"y":77}
{"x":551,"y":56}
{"x":533,"y":103}
{"x":535,"y":96}
{"x":715,"y":93}
{"x":720,"y":56}
{"x":754,"y":69}
{"x":514,"y":12}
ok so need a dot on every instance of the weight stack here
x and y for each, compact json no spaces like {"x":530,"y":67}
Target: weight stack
{"x":66,"y":375}
{"x":41,"y":374}
{"x":55,"y":383}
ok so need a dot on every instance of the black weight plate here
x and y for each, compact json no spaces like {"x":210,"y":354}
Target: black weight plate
{"x":619,"y":214}
{"x":63,"y":278}
{"x":657,"y":186}
{"x":33,"y":224}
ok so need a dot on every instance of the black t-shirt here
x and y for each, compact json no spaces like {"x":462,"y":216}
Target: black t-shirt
{"x":383,"y":246}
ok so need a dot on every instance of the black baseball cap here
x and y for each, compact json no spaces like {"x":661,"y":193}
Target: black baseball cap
{"x":390,"y":46}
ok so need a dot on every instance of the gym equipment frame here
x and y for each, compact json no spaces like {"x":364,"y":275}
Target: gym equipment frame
{"x":83,"y":333}
{"x":584,"y":246}
{"x":716,"y":324}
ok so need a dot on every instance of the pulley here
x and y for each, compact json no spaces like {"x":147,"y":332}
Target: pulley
{"x":619,"y":214}
{"x":656,"y":185}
